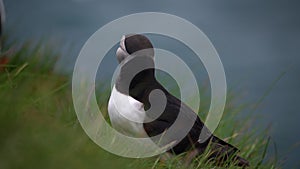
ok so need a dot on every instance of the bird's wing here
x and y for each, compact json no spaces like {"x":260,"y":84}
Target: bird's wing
{"x":169,"y":116}
{"x":220,"y":150}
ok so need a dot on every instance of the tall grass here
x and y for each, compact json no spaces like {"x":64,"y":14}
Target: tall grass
{"x":39,"y":128}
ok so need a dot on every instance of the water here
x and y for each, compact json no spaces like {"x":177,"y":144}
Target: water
{"x":257,"y":41}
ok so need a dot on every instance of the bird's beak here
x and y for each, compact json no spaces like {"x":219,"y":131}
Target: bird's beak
{"x":122,"y":43}
{"x":121,"y":51}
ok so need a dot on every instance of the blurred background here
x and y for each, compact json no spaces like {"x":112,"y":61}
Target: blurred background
{"x":258,"y":43}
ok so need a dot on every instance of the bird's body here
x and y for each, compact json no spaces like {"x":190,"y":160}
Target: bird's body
{"x":134,"y":108}
{"x":138,"y":91}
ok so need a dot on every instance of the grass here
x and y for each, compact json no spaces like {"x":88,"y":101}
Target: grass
{"x":39,"y":128}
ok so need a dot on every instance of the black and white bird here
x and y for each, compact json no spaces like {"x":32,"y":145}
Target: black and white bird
{"x":137,"y":91}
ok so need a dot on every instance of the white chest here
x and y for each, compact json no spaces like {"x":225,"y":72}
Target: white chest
{"x":121,"y":108}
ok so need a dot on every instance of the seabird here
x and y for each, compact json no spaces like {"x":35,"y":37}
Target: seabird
{"x":137,"y":92}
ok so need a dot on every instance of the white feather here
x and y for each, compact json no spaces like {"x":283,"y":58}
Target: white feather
{"x":130,"y":108}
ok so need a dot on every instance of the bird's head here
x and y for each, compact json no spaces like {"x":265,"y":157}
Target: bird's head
{"x":134,"y":44}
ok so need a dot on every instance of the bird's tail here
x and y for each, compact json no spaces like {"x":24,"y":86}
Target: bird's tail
{"x":241,"y":161}
{"x":224,"y":153}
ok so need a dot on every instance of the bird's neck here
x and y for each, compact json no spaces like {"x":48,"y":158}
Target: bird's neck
{"x":136,"y":75}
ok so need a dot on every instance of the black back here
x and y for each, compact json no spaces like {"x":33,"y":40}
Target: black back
{"x":140,"y":89}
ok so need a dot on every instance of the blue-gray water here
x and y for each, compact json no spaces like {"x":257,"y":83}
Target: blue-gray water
{"x":256,"y":40}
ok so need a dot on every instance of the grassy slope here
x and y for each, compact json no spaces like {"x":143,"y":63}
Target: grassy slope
{"x":39,"y":128}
